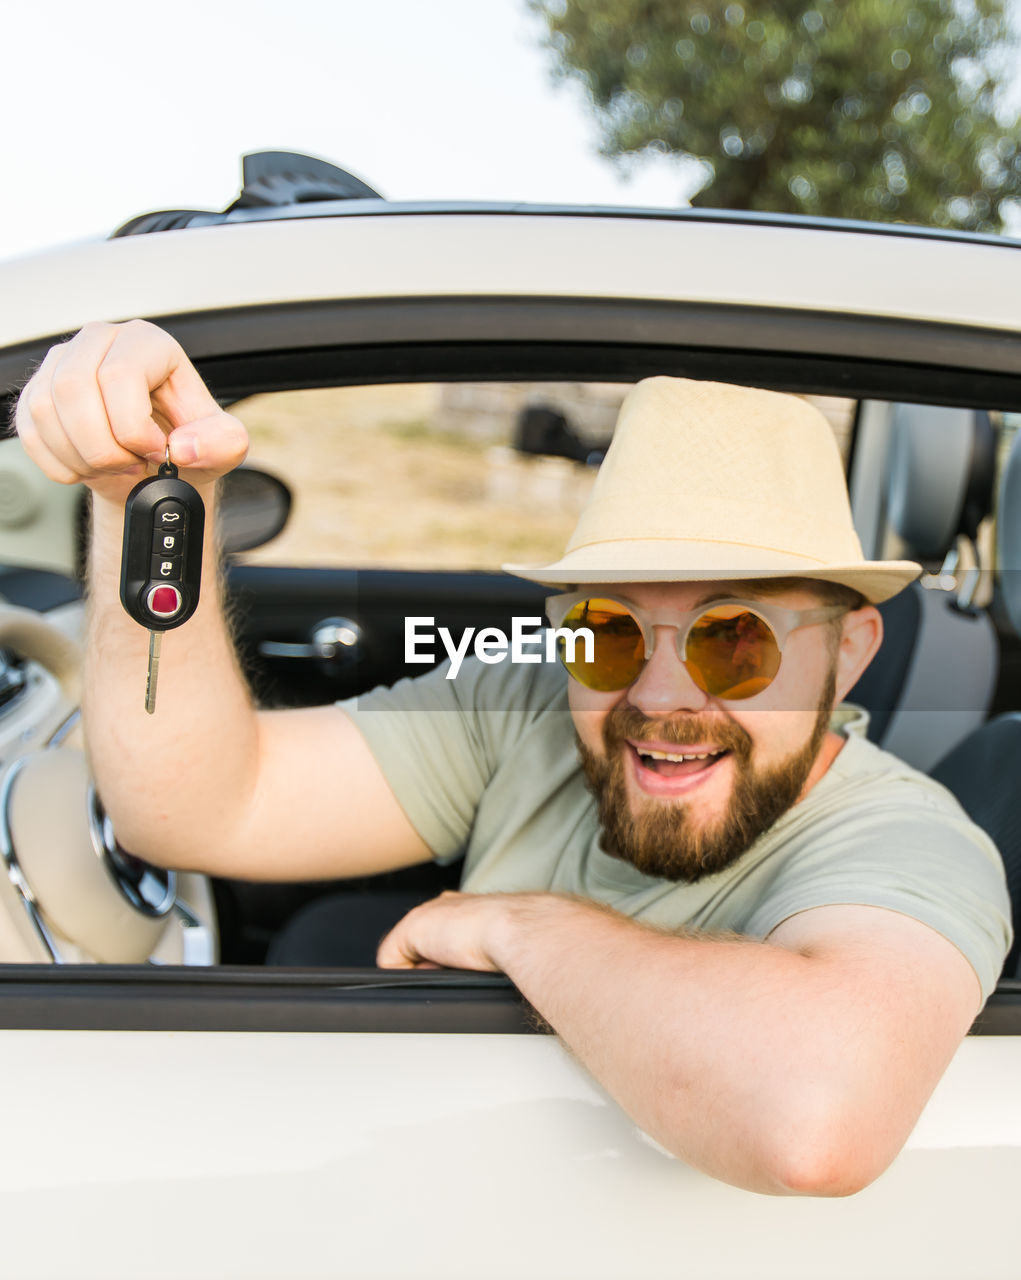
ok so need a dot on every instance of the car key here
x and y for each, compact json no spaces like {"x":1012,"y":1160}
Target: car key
{"x":161,"y":559}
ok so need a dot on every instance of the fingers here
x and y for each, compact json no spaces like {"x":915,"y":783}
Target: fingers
{"x":101,"y":403}
{"x":107,"y":441}
{"x":396,"y":951}
{"x":38,"y":426}
{"x":144,"y":361}
{"x":121,"y":395}
{"x":215,"y":444}
{"x":452,"y":931}
{"x":62,"y":415}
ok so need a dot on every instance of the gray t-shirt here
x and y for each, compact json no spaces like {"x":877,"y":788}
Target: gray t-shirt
{"x":486,"y":766}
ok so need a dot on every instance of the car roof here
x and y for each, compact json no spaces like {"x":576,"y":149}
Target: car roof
{"x":377,"y":206}
{"x":446,"y":252}
{"x":279,"y":185}
{"x":305,"y":230}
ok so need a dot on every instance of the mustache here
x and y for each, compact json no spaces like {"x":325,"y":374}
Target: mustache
{"x":625,"y":721}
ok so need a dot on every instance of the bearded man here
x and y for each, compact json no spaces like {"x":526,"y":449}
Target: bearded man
{"x":763,"y":936}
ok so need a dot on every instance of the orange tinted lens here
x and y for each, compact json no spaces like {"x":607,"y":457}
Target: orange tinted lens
{"x":617,"y":649}
{"x":731,"y":652}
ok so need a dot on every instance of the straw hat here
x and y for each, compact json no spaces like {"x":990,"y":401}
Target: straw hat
{"x":708,"y":481}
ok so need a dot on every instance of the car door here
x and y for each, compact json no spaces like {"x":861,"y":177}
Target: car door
{"x":237,"y":1119}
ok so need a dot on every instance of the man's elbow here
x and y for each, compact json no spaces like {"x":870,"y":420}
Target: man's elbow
{"x":800,"y":1155}
{"x":837,"y":1156}
{"x":832,"y":1173}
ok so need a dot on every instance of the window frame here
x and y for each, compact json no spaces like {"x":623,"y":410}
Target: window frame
{"x":251,"y":350}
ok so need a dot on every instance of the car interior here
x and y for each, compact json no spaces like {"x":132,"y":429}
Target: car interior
{"x":947,"y":667}
{"x":406,"y":499}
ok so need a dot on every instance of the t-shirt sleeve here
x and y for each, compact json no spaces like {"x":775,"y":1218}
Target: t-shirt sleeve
{"x":438,"y":741}
{"x":925,"y":860}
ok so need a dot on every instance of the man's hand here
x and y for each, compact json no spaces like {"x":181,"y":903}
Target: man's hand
{"x":458,"y":931}
{"x":103,"y":404}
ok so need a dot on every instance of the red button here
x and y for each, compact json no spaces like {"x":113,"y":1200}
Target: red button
{"x":164,"y":601}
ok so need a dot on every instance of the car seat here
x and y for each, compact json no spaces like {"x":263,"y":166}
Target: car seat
{"x":983,"y":771}
{"x":933,"y":679}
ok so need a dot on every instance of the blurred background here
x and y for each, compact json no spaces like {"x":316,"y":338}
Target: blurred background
{"x":902,"y":110}
{"x":885,"y":109}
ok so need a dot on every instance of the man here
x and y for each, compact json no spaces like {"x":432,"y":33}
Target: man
{"x":764,"y":939}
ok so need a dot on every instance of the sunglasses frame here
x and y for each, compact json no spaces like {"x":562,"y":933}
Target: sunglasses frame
{"x":779,"y":620}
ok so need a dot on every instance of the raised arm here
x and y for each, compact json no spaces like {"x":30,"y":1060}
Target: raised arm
{"x":207,"y":783}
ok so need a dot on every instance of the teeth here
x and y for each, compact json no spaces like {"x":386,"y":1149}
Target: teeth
{"x":668,"y":755}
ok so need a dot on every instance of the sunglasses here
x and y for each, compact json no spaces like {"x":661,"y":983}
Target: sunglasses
{"x":731,"y":648}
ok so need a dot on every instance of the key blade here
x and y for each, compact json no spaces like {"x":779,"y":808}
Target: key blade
{"x":155,"y":640}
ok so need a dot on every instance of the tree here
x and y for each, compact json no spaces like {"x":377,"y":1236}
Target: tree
{"x":843,"y":108}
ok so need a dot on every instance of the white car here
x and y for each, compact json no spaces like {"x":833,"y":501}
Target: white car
{"x":428,"y":383}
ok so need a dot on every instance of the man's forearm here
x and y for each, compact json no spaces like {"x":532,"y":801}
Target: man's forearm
{"x":689,"y":1034}
{"x":177,"y":781}
{"x":793,"y":1068}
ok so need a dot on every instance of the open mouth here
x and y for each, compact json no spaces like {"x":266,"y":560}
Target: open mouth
{"x":660,"y":769}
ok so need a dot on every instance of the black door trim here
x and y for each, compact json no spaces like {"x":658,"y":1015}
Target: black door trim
{"x":235,"y":998}
{"x":407,"y":339}
{"x":227,"y":998}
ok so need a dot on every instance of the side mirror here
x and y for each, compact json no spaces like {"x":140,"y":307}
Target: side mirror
{"x":254,"y":506}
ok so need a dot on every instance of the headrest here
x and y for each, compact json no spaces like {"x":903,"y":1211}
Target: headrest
{"x":941,"y":476}
{"x":1008,"y":535}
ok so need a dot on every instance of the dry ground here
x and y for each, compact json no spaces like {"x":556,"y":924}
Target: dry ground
{"x":419,"y":476}
{"x":376,"y":485}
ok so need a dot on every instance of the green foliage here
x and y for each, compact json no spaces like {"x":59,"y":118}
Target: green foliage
{"x":843,"y":108}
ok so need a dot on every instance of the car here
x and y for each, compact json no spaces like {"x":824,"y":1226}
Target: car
{"x":427,"y":388}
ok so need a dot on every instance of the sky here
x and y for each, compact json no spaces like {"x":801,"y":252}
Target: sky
{"x":112,"y":108}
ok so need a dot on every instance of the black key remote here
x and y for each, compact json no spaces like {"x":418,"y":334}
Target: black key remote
{"x":161,"y":559}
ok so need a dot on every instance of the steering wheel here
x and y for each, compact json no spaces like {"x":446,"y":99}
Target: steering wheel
{"x":70,"y":891}
{"x":27,"y":634}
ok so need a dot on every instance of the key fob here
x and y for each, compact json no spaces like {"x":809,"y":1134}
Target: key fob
{"x":161,"y":559}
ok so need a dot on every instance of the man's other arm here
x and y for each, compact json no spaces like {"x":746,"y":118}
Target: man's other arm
{"x":798,"y":1065}
{"x":207,"y":782}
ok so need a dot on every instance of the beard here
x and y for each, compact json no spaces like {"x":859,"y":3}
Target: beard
{"x":661,"y":839}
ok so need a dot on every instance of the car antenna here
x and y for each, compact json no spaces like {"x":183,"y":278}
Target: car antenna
{"x":278,"y":178}
{"x":269,"y":180}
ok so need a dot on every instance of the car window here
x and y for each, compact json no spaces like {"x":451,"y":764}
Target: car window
{"x":460,"y":475}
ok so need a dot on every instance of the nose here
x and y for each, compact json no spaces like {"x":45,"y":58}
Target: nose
{"x":665,"y":685}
